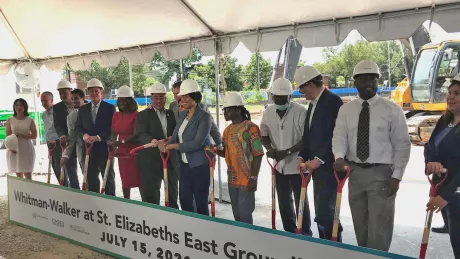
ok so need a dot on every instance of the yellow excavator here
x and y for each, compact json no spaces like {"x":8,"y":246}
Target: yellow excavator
{"x":423,"y":95}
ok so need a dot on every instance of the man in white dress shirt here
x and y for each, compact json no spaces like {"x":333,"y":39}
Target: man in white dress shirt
{"x":281,"y":128}
{"x":371,"y":136}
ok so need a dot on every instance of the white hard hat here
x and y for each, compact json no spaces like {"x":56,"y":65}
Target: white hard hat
{"x":281,"y":86}
{"x":11,"y":142}
{"x":93,"y":82}
{"x":304,"y":74}
{"x":188,"y":86}
{"x":456,"y":78}
{"x":158,"y":88}
{"x":233,"y":99}
{"x":64,"y":84}
{"x":125,"y":91}
{"x":366,"y":67}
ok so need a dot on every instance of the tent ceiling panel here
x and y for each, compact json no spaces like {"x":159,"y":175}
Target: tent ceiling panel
{"x":5,"y":67}
{"x":56,"y":28}
{"x":9,"y":47}
{"x":54,"y":32}
{"x":55,"y":64}
{"x":385,"y":28}
{"x":112,"y":59}
{"x":448,"y":19}
{"x":207,"y":47}
{"x":318,"y":36}
{"x":176,"y":51}
{"x":242,"y":15}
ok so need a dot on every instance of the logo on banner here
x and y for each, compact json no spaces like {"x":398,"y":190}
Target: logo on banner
{"x":36,"y":215}
{"x":78,"y":229}
{"x":58,"y":223}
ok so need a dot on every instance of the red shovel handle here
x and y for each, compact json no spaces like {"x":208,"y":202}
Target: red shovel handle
{"x":210,"y":149}
{"x":51,"y":147}
{"x":134,"y":150}
{"x":272,"y":166}
{"x":112,"y":150}
{"x":306,"y":175}
{"x":341,"y":183}
{"x":434,"y":188}
{"x":88,"y":147}
{"x":164,"y":157}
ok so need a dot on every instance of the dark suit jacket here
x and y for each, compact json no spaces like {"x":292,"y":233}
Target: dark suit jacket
{"x":60,"y":119}
{"x":317,"y":141}
{"x":148,"y":127}
{"x":215,"y":133}
{"x":102,"y":127}
{"x":448,"y":154}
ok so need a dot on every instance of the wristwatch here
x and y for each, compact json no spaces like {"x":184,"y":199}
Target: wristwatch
{"x":254,"y":178}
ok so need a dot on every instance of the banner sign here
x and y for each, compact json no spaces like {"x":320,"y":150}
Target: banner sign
{"x":131,"y":229}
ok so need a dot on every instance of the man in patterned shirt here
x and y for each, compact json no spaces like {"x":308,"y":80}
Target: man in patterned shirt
{"x":243,"y":154}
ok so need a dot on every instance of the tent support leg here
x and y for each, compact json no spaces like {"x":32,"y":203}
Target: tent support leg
{"x":216,"y":67}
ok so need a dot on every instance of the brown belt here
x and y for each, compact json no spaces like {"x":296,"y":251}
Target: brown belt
{"x":366,"y":165}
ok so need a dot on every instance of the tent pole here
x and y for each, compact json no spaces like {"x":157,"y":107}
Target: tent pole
{"x":216,"y":67}
{"x":130,"y":68}
{"x":38,"y":141}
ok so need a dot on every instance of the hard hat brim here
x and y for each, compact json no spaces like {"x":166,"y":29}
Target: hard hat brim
{"x":89,"y":87}
{"x":228,"y":106}
{"x":186,"y":93}
{"x":378,"y":75}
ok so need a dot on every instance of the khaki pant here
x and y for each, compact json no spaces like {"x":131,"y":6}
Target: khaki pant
{"x":371,"y":209}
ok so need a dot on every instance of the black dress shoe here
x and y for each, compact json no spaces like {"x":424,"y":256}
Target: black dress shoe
{"x":441,"y":230}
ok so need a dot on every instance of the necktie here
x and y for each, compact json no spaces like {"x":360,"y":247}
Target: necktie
{"x":94,"y":113}
{"x":362,"y":144}
{"x":307,"y":122}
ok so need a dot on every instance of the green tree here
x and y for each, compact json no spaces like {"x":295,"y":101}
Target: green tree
{"x":396,"y":66}
{"x":232,"y":74}
{"x":141,"y":80}
{"x":164,"y":69}
{"x":301,"y":63}
{"x":114,"y":77}
{"x":111,"y":78}
{"x":250,"y":72}
{"x":340,"y":63}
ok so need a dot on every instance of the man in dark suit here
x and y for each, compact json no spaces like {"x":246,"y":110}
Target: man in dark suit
{"x":60,"y":112}
{"x":93,"y":125}
{"x":153,"y":125}
{"x":317,"y":146}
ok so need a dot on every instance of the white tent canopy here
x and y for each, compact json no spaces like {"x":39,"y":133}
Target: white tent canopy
{"x":75,"y":32}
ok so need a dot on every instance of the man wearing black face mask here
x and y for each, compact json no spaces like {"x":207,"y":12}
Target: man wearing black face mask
{"x":371,"y":137}
{"x":281,"y":128}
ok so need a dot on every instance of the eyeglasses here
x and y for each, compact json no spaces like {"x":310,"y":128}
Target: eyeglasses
{"x":227,"y":109}
{"x":365,"y":77}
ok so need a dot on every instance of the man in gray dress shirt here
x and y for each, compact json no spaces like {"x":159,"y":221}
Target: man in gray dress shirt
{"x":371,"y":136}
{"x":51,"y":136}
